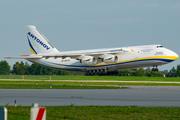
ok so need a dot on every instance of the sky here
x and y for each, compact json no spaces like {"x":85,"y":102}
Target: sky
{"x":90,"y":24}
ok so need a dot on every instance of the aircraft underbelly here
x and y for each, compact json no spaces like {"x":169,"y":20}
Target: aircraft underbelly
{"x":75,"y":65}
{"x":141,"y":64}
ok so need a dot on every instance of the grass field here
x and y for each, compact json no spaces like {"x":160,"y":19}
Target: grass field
{"x":46,"y":85}
{"x":72,"y":85}
{"x":97,"y":112}
{"x":43,"y":84}
{"x":118,"y":78}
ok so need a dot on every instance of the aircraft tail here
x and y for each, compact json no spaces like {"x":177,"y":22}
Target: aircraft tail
{"x":38,"y":42}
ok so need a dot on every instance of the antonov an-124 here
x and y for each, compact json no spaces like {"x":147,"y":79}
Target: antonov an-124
{"x":95,"y":61}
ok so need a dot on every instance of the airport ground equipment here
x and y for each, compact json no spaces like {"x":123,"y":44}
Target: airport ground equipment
{"x":15,"y":103}
{"x":3,"y":113}
{"x":37,"y":113}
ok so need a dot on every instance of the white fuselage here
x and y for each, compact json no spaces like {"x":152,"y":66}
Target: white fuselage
{"x":130,"y":57}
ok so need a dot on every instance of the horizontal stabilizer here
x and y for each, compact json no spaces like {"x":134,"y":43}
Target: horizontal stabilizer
{"x":25,"y":57}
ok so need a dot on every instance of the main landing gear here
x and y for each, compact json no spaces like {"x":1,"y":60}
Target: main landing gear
{"x":97,"y":72}
{"x":155,"y":69}
{"x":102,"y":71}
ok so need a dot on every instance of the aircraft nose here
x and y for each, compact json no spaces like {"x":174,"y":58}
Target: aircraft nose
{"x":174,"y":55}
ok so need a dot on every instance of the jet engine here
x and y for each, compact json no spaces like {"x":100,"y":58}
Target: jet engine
{"x":110,"y":59}
{"x":88,"y":60}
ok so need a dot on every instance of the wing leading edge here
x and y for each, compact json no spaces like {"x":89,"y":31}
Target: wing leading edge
{"x":78,"y":56}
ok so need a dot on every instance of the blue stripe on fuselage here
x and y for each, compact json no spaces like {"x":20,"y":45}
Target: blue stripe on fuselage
{"x":164,"y":60}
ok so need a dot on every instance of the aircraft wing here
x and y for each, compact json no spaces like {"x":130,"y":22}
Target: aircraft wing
{"x":73,"y":56}
{"x":78,"y":56}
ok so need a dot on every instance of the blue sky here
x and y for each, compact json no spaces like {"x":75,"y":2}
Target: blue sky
{"x":89,"y":24}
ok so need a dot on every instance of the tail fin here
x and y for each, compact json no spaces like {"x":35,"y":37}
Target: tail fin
{"x":38,"y":42}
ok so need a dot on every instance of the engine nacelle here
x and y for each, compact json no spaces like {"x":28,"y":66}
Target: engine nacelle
{"x":110,"y":59}
{"x":88,"y":60}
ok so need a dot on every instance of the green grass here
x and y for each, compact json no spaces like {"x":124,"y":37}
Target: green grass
{"x":97,"y":112}
{"x":45,"y":85}
{"x":73,"y":85}
{"x":118,"y":78}
{"x":12,"y":86}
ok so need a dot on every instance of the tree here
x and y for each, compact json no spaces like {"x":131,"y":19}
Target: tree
{"x":123,"y":73}
{"x":140,"y":72}
{"x":32,"y":69}
{"x":155,"y":74}
{"x":20,"y":68}
{"x":132,"y":72}
{"x":178,"y":71}
{"x":16,"y":68}
{"x":35,"y":69}
{"x":172,"y":72}
{"x":178,"y":67}
{"x":165,"y":72}
{"x":4,"y":68}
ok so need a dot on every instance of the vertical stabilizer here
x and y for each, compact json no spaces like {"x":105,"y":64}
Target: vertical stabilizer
{"x":38,"y":42}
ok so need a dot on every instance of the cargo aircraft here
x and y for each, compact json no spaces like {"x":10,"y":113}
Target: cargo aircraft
{"x":94,"y":61}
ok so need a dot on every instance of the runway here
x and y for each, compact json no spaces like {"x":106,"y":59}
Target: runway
{"x":142,"y":96}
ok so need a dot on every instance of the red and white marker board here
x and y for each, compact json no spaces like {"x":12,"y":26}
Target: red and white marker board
{"x":38,"y":113}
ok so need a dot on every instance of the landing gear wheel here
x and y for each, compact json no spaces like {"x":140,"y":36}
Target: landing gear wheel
{"x":155,"y":69}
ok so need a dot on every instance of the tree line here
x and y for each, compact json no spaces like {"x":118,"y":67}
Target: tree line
{"x":34,"y":69}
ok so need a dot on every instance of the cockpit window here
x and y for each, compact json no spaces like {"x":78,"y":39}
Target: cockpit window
{"x":159,"y":46}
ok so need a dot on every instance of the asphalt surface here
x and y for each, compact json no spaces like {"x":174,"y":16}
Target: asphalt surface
{"x":142,"y":96}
